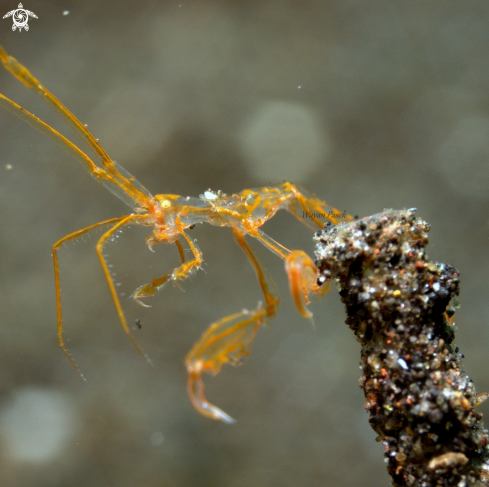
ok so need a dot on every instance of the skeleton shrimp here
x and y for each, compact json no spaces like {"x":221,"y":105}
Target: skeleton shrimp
{"x":169,"y":216}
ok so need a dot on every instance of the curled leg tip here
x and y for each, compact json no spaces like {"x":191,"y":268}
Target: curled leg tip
{"x":136,"y":299}
{"x":215,"y":413}
{"x":143,"y":292}
{"x":200,"y":403}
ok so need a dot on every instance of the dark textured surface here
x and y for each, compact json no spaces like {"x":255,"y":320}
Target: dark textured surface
{"x":421,"y":401}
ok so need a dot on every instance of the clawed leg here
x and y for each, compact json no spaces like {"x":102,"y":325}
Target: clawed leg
{"x":180,"y":272}
{"x":301,"y":271}
{"x":228,"y":340}
{"x":300,"y":268}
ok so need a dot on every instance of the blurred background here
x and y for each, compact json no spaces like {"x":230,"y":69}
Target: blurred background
{"x":370,"y":105}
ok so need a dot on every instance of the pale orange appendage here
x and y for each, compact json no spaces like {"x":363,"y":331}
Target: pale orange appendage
{"x":117,"y":224}
{"x":229,"y":340}
{"x":115,"y":178}
{"x":179,"y":273}
{"x":128,"y":220}
{"x":302,"y":273}
{"x":300,"y":268}
{"x":56,"y":247}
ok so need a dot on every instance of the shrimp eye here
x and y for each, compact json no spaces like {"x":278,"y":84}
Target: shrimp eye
{"x":165,"y":204}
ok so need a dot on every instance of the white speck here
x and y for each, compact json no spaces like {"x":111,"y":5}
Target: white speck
{"x":8,"y":167}
{"x":66,"y":12}
{"x":363,"y":296}
{"x":299,"y":87}
{"x":210,"y":195}
{"x":403,"y":363}
{"x":436,"y":287}
{"x":157,"y":438}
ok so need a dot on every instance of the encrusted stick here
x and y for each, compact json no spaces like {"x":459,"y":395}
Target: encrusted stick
{"x":400,"y":307}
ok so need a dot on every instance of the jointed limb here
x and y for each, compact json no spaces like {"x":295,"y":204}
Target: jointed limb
{"x":300,"y":268}
{"x":127,"y":220}
{"x":115,"y":178}
{"x":229,"y":339}
{"x":302,"y":274}
{"x":56,"y":247}
{"x":24,"y":75}
{"x":179,"y":273}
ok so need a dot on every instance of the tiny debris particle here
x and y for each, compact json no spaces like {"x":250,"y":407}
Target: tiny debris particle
{"x":209,"y":195}
{"x":447,"y":461}
{"x":400,"y":457}
{"x":403,"y":363}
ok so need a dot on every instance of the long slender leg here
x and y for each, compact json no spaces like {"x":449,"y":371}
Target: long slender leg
{"x":229,"y":339}
{"x":100,"y":246}
{"x":179,"y":273}
{"x":23,"y":74}
{"x":56,"y":247}
{"x":53,"y":134}
{"x":114,"y":178}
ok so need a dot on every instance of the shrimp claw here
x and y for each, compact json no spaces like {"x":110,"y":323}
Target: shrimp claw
{"x":226,"y":340}
{"x":302,"y":273}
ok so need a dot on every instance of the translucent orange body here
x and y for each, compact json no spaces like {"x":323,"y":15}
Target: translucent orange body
{"x":169,"y":216}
